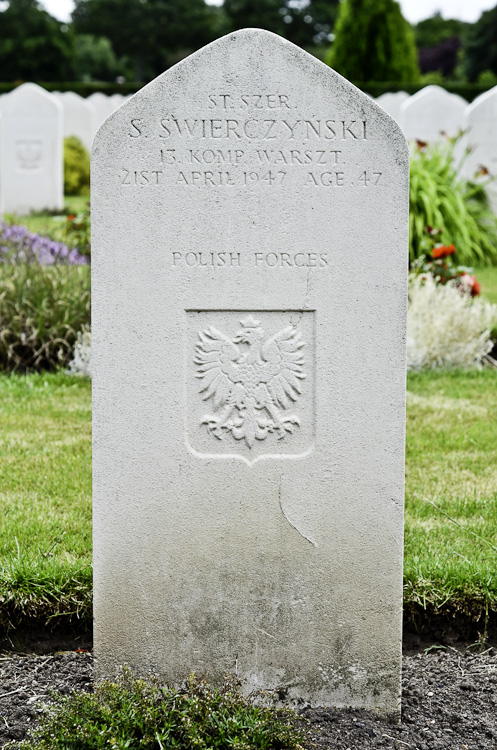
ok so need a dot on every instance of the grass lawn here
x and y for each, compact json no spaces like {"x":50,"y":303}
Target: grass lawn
{"x":487,"y":276}
{"x":45,"y":489}
{"x":45,"y":496}
{"x":451,"y":489}
{"x":44,"y":224}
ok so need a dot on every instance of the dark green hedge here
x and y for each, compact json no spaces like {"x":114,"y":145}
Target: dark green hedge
{"x":468,"y":91}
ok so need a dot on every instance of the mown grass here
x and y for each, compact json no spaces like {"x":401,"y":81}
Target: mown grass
{"x":45,"y":488}
{"x":451,"y":490}
{"x":487,"y":276}
{"x":45,"y":496}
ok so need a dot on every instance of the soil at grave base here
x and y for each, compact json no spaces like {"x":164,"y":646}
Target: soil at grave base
{"x":425,"y":627}
{"x":449,"y":702}
{"x":422,"y":628}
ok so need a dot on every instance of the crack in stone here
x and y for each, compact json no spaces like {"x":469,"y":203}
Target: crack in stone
{"x":287,"y":519}
{"x":303,"y":307}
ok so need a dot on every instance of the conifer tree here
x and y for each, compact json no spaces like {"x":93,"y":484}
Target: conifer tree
{"x":374,"y":42}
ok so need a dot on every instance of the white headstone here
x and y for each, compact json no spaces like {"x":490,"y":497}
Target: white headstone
{"x":31,"y":168}
{"x":480,"y":120}
{"x":430,"y":113}
{"x":391,"y":103}
{"x":249,"y":258}
{"x":116,"y":100}
{"x":103,"y":106}
{"x":80,"y":117}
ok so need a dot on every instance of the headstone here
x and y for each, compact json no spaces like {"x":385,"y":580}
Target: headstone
{"x":392,"y":102}
{"x":31,"y":169}
{"x":116,"y":100}
{"x":80,"y":117}
{"x":480,"y":121}
{"x":103,"y":106}
{"x":430,"y":113}
{"x":249,"y":256}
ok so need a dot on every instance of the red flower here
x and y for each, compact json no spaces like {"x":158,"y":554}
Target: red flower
{"x":470,"y":284}
{"x":475,"y":287}
{"x":71,"y":217}
{"x":442,"y":251}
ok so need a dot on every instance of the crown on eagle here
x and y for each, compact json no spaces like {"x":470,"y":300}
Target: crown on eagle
{"x":250,"y":322}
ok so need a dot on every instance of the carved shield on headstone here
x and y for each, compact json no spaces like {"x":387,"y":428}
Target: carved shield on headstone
{"x":251,"y":383}
{"x":29,"y":153}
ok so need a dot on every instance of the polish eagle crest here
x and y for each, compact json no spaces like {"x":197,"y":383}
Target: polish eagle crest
{"x":252,"y":381}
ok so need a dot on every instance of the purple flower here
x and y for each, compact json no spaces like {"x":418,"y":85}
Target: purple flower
{"x":19,"y":245}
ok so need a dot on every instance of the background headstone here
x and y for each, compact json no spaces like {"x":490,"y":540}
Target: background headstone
{"x":31,"y":168}
{"x":480,"y":121}
{"x":430,"y":112}
{"x":80,"y":117}
{"x":391,"y":103}
{"x":249,"y":293}
{"x":116,"y":100}
{"x":103,"y":106}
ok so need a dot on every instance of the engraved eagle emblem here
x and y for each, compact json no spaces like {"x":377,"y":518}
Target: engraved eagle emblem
{"x":251,"y":380}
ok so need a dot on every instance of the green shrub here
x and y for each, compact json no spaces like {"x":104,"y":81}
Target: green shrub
{"x":441,"y":198}
{"x":42,"y":308}
{"x":76,"y":167}
{"x":144,"y":714}
{"x":94,"y":58}
{"x":487,"y":78}
{"x":433,"y":78}
{"x":373,"y":42}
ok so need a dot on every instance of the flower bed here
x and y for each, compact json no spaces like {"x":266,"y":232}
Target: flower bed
{"x":44,"y":300}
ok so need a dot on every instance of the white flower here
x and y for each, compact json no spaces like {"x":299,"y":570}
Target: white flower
{"x":81,"y":361}
{"x":445,"y":326}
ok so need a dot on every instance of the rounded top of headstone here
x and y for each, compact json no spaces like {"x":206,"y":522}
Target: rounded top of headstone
{"x":429,"y":91}
{"x":486,"y":102}
{"x":263,"y":59}
{"x":72,"y":96}
{"x":431,"y":94}
{"x":32,"y":90}
{"x":29,"y":97}
{"x":393,"y":95}
{"x":98,"y":96}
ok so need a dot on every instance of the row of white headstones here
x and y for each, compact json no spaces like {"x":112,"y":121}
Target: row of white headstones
{"x":33,"y":123}
{"x":433,"y":114}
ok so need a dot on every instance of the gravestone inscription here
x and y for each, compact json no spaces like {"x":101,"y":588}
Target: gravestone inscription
{"x":250,"y":223}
